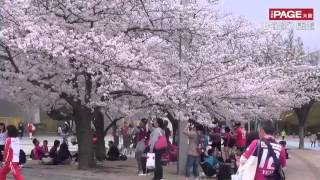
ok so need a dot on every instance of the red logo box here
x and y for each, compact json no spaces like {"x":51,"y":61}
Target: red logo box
{"x":291,"y":14}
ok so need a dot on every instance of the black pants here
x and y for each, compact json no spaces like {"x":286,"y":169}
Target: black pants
{"x":143,"y":165}
{"x":158,"y":171}
{"x":1,"y":149}
{"x":215,"y":145}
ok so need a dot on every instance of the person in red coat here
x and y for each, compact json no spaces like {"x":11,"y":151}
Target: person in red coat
{"x":31,"y":129}
{"x":11,"y":155}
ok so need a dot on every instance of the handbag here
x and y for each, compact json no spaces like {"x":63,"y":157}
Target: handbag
{"x":150,"y":161}
{"x":161,"y":142}
{"x":278,"y":173}
{"x":248,"y":170}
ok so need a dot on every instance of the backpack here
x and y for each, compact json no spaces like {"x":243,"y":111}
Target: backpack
{"x":123,"y":157}
{"x":22,"y":157}
{"x":31,"y":154}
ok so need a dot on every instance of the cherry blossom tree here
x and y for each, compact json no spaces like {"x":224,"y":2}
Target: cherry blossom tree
{"x":188,"y":59}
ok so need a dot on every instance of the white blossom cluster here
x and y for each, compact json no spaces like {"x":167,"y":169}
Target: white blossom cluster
{"x":188,"y":58}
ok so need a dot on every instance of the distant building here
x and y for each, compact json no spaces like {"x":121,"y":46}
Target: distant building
{"x":13,"y":114}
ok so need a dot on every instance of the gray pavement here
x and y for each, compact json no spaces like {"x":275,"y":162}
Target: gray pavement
{"x":303,"y":164}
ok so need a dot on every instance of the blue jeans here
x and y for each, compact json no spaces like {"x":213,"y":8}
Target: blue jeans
{"x":192,"y":161}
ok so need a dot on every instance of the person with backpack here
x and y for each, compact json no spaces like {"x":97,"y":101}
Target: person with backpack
{"x":11,"y":155}
{"x":271,"y":155}
{"x":194,"y":153}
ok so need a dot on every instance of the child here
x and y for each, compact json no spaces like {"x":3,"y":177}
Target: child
{"x":11,"y":155}
{"x":44,"y":147}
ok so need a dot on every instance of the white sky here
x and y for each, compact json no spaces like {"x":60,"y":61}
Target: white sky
{"x":257,"y":11}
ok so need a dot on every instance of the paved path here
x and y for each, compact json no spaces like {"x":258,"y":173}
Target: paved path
{"x":302,"y":165}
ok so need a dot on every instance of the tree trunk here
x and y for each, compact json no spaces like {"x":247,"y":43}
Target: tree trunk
{"x":83,"y":117}
{"x":175,"y":125}
{"x":301,"y":135}
{"x":112,"y":124}
{"x":182,"y":149}
{"x":302,"y":114}
{"x":100,"y":148}
{"x":115,"y":135}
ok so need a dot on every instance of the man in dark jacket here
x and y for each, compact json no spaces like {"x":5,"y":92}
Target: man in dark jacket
{"x":113,"y":152}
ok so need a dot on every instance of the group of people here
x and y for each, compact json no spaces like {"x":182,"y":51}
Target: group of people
{"x":58,"y":154}
{"x":215,"y":149}
{"x":153,"y":137}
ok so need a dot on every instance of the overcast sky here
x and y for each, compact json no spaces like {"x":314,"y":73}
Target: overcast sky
{"x":257,"y":12}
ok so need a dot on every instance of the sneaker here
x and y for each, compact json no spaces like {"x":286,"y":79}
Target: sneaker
{"x":141,"y":174}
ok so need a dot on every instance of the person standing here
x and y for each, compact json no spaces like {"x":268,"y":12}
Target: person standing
{"x":313,"y":139}
{"x":283,"y":134}
{"x":154,"y":137}
{"x":240,"y":137}
{"x":193,"y":158}
{"x":21,"y":129}
{"x":271,"y":155}
{"x":3,"y":137}
{"x":11,"y":155}
{"x":31,"y":129}
{"x":65,"y":132}
{"x":125,"y":137}
{"x":228,"y":142}
{"x":167,"y":130}
{"x":60,"y":131}
{"x":216,"y":138}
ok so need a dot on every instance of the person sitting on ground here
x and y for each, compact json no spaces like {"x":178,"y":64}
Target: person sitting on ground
{"x":36,"y":153}
{"x":53,"y":154}
{"x":54,"y":150}
{"x":113,"y":153}
{"x":44,"y":147}
{"x":210,"y":164}
{"x":63,"y":155}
